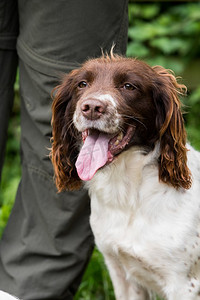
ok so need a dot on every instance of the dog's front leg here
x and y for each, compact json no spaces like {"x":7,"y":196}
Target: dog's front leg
{"x":123,"y":288}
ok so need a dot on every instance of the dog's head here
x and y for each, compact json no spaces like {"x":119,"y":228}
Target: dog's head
{"x":110,"y":104}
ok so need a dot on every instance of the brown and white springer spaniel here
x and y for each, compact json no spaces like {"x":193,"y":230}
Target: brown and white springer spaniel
{"x":117,"y":125}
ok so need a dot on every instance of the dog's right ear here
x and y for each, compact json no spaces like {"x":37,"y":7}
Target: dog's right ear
{"x":64,"y":140}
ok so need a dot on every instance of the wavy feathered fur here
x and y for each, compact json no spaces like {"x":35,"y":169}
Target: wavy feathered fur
{"x":173,"y":167}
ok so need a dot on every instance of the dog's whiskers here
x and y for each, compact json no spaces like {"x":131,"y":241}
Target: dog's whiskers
{"x":135,"y":119}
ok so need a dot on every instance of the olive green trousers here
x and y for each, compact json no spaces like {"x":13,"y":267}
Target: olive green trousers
{"x":48,"y":241}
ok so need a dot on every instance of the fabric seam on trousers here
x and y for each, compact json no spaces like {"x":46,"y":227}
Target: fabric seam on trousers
{"x":40,"y":172}
{"x":43,"y":64}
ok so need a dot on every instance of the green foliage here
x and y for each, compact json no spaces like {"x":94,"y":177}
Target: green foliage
{"x":11,"y":171}
{"x":165,"y":32}
{"x":96,"y":283}
{"x":168,"y":34}
{"x":193,"y":118}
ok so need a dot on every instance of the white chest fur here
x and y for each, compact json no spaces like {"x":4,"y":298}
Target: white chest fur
{"x":148,"y":228}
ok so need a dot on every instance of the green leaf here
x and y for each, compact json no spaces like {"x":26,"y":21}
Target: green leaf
{"x":169,"y":45}
{"x":167,"y":62}
{"x":195,"y":97}
{"x":136,"y":49}
{"x":145,"y":11}
{"x":142,"y":32}
{"x":149,"y":11}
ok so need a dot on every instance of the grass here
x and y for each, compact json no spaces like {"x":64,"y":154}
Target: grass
{"x":96,"y":283}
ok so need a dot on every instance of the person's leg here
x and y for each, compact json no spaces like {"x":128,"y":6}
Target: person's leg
{"x":69,"y":32}
{"x":48,"y":241}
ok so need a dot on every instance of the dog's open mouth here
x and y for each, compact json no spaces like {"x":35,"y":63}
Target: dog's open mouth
{"x":99,"y":149}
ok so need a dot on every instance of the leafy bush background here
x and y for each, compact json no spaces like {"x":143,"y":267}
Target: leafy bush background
{"x":160,"y":33}
{"x":168,"y":34}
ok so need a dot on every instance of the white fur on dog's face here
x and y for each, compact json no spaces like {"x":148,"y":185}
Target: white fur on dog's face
{"x":119,"y":86}
{"x":109,"y":122}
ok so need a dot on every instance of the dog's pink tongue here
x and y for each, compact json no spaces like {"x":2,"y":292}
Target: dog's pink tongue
{"x":93,"y":155}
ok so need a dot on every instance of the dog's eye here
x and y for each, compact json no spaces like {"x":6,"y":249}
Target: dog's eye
{"x":82,"y":84}
{"x":128,"y":86}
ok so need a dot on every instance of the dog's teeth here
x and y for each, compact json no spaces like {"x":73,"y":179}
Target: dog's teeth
{"x":119,"y":139}
{"x":120,"y":136}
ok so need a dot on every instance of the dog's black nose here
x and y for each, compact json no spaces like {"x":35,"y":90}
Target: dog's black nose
{"x":93,"y":109}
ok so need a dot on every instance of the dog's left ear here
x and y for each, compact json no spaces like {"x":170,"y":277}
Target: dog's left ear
{"x":173,"y":167}
{"x":64,"y":141}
